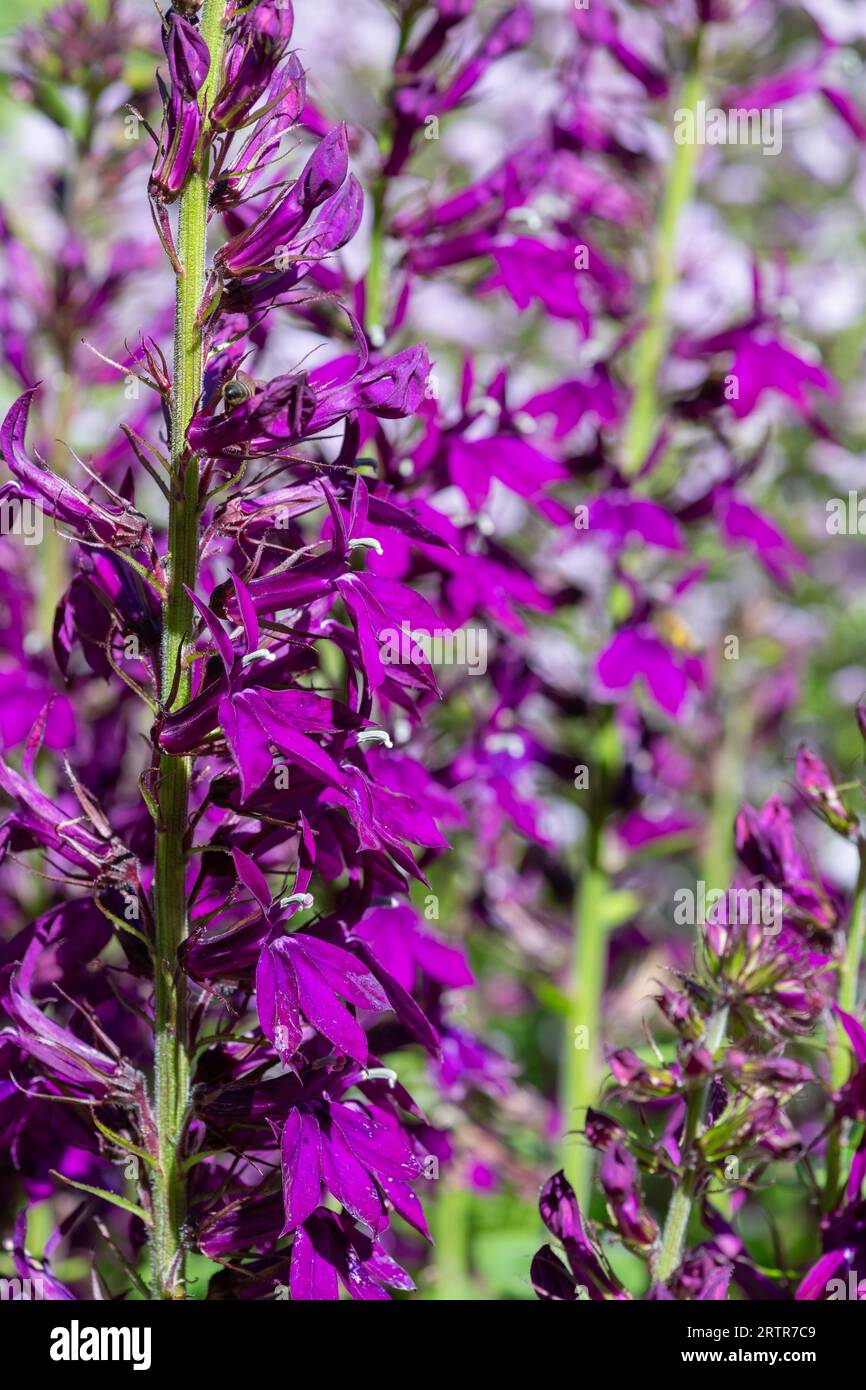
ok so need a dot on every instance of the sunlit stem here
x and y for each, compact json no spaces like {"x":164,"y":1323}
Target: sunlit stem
{"x":171,"y":1044}
{"x":642,"y":423}
{"x":683,"y":1196}
{"x":840,"y":1059}
{"x":581,"y":1066}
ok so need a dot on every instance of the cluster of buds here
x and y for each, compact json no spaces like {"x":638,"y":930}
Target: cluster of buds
{"x":724,"y":1092}
{"x":182,"y":122}
{"x":723,"y":1095}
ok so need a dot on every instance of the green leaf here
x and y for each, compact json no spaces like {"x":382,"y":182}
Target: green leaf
{"x":551,"y":997}
{"x":125,"y":1144}
{"x":617,"y":907}
{"x":106,"y":1196}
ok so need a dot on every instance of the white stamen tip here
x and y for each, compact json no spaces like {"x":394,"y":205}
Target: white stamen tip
{"x":375,"y":736}
{"x":304,"y":900}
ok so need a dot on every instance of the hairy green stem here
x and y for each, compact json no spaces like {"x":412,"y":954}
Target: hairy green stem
{"x":850,"y":974}
{"x":683,"y":1196}
{"x":171,"y":1044}
{"x":840,"y":1063}
{"x":642,"y":422}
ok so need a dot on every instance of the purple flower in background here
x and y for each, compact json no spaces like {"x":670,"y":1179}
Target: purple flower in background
{"x":638,"y":654}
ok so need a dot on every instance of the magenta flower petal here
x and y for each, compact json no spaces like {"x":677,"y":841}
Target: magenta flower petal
{"x":301,"y":1161}
{"x":313,"y":1278}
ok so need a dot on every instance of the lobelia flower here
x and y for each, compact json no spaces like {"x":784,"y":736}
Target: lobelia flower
{"x":296,"y":407}
{"x":182,"y":124}
{"x":251,"y":717}
{"x":259,"y":41}
{"x":274,"y":232}
{"x":301,"y":975}
{"x":360,"y":1154}
{"x":417,"y":94}
{"x":587,"y":1274}
{"x":37,"y":1274}
{"x":599,"y":27}
{"x":67,"y":1058}
{"x":842,"y":1231}
{"x":284,"y":99}
{"x":765,"y":844}
{"x":330,"y":1250}
{"x":618,"y":1177}
{"x":624,"y":517}
{"x":114,"y":524}
{"x":638,"y":653}
{"x":763,"y":363}
{"x":818,"y":788}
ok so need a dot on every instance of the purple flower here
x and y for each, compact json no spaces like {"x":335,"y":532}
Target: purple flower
{"x":598,"y":26}
{"x":618,"y":1176}
{"x":624,"y":518}
{"x":819,"y":790}
{"x":639,"y":654}
{"x":258,"y":42}
{"x":188,"y":65}
{"x":283,"y":103}
{"x":253,"y":716}
{"x":329,"y":1250}
{"x":765,"y":844}
{"x":114,"y":524}
{"x":743,"y":523}
{"x":91,"y":1071}
{"x":587,"y":1270}
{"x":296,"y":407}
{"x":763,"y":363}
{"x":302,"y":975}
{"x":273,"y":233}
{"x":395,"y":936}
{"x":360,"y":1154}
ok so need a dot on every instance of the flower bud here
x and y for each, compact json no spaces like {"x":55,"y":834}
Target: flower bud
{"x":257,"y":46}
{"x":819,"y":789}
{"x":189,"y":64}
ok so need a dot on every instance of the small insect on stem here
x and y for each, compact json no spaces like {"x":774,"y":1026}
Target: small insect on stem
{"x":186,"y":9}
{"x":239,"y":389}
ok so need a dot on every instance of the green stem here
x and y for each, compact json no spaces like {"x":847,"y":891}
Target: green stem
{"x":452,"y":1215}
{"x":718,"y":858}
{"x":171,"y":1043}
{"x":374,"y":282}
{"x":840,"y":1062}
{"x":850,"y":972}
{"x":642,"y":423}
{"x":683,"y":1196}
{"x":581,"y":1070}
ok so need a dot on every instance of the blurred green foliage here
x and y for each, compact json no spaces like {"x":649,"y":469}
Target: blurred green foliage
{"x":16,"y":12}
